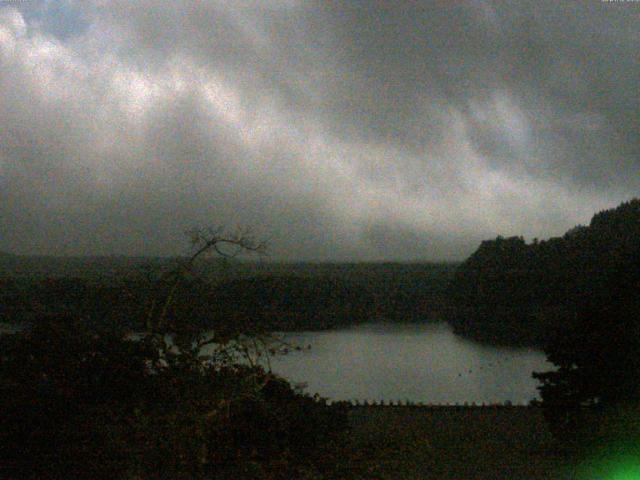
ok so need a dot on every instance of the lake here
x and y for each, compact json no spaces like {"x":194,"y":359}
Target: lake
{"x":417,"y":362}
{"x":425,"y":363}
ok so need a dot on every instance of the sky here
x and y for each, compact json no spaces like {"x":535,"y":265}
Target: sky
{"x":335,"y":130}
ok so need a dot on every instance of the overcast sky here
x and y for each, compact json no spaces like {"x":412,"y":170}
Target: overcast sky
{"x":372,"y":130}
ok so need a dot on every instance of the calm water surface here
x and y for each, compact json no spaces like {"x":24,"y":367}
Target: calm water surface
{"x":421,"y":363}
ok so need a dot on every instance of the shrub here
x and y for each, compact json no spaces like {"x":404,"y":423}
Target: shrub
{"x":78,"y":403}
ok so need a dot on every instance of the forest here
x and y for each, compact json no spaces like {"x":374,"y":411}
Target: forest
{"x":517,"y":293}
{"x":278,"y":296}
{"x":508,"y":292}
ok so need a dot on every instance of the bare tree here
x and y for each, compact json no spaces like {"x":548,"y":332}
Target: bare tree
{"x":248,"y":341}
{"x":204,"y":242}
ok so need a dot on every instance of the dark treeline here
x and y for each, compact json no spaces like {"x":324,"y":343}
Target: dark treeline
{"x":344,"y":297}
{"x":273,"y":295}
{"x":507,"y":292}
{"x":512,"y":292}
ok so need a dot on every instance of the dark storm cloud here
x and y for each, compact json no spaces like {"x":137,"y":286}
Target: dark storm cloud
{"x":551,"y":83}
{"x":355,"y":130}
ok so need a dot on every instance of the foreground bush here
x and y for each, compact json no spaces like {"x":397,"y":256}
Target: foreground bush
{"x":81,"y":403}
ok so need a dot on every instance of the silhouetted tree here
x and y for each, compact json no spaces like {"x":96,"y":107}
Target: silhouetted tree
{"x":81,"y":401}
{"x":596,"y":352}
{"x":511,"y":292}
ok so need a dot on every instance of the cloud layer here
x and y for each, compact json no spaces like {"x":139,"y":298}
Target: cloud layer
{"x":356,"y":130}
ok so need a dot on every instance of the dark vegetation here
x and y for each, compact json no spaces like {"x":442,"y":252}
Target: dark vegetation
{"x":80,"y":397}
{"x":274,"y":296}
{"x":512,"y":292}
{"x":449,"y":443}
{"x":592,"y":398}
{"x":77,"y":402}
